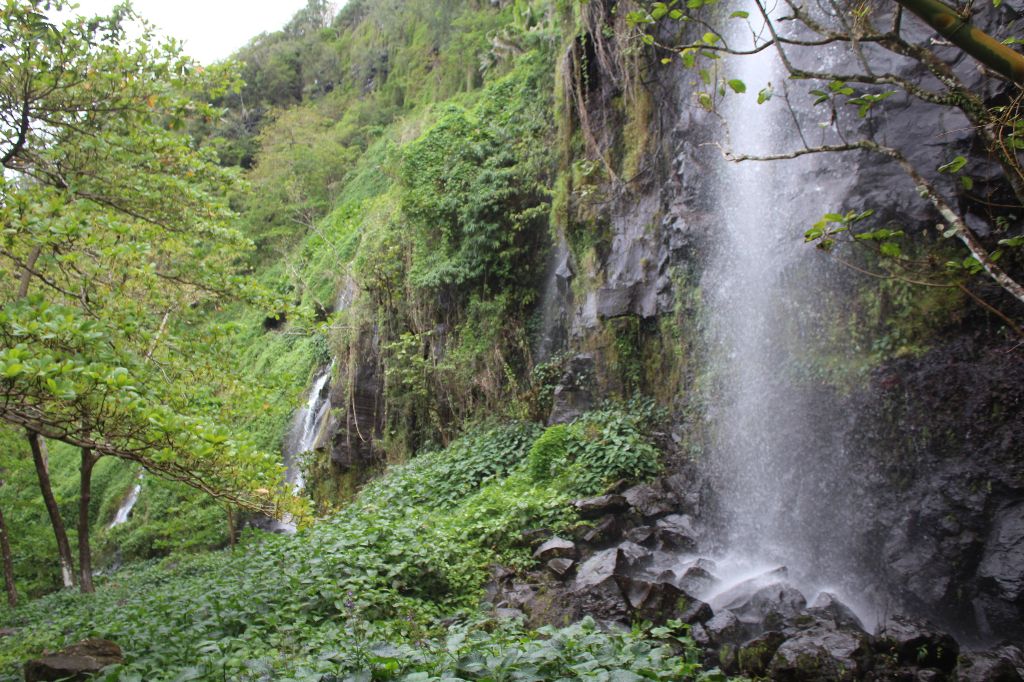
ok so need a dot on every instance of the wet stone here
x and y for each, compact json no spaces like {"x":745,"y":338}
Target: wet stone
{"x":987,"y":666}
{"x":555,"y":548}
{"x":820,"y":654}
{"x":827,"y":605}
{"x":769,"y":606}
{"x":696,"y":579}
{"x":676,"y":532}
{"x":725,"y":628}
{"x":754,"y":657}
{"x":642,"y":535}
{"x":919,"y":643}
{"x":561,"y":567}
{"x":648,"y":501}
{"x":605,"y":530}
{"x":596,"y":507}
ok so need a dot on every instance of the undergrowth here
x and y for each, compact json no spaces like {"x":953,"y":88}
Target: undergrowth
{"x":389,"y":588}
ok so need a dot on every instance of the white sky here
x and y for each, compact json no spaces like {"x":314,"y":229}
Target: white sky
{"x":210,"y":29}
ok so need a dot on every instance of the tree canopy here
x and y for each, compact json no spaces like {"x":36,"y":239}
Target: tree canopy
{"x":117,"y":240}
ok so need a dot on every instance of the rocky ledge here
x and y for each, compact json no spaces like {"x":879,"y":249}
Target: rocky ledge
{"x":637,"y":558}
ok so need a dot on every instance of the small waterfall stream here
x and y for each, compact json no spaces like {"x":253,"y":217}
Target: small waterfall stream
{"x":125,"y":510}
{"x":306,"y":426}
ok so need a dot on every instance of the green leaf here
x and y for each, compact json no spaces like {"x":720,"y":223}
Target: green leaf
{"x":953,"y":166}
{"x":737,"y":86}
{"x":739,"y":14}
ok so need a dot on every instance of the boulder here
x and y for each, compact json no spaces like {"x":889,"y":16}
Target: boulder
{"x":76,"y":663}
{"x":754,"y":657}
{"x":725,"y":628}
{"x":659,"y":602}
{"x":821,"y":654}
{"x":989,"y":666}
{"x":574,"y":393}
{"x":675,"y":532}
{"x":555,"y":548}
{"x":919,"y":643}
{"x":604,"y":531}
{"x":648,"y":501}
{"x":768,"y":607}
{"x":596,"y":507}
{"x":827,"y":606}
{"x":696,"y":579}
{"x":561,"y":567}
{"x":642,"y":535}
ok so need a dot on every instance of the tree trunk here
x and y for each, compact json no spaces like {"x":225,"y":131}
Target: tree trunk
{"x":39,"y":456}
{"x":231,"y":527}
{"x":5,"y":551}
{"x":1000,"y":58}
{"x":84,"y":550}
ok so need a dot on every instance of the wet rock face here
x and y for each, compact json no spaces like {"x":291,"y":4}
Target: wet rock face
{"x":357,"y":402}
{"x":944,"y":431}
{"x":762,"y":627}
{"x":76,"y":663}
{"x":574,"y":393}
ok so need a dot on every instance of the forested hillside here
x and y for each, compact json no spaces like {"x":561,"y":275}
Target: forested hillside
{"x":521,"y":339}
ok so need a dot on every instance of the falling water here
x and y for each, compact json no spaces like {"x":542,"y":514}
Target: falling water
{"x":776,"y":495}
{"x":306,"y":426}
{"x":125,"y":510}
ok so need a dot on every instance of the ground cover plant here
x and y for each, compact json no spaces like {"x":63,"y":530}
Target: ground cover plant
{"x":388,"y":588}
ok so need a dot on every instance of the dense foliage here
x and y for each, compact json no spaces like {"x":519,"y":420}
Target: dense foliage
{"x":364,"y":593}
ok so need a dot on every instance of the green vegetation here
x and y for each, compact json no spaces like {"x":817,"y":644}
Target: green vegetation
{"x":365,"y":592}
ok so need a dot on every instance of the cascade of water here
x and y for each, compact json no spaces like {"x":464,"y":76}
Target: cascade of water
{"x":766,"y":461}
{"x":306,"y":426}
{"x":125,"y":510}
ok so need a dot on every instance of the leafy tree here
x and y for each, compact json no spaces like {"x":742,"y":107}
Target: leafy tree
{"x":116,"y":240}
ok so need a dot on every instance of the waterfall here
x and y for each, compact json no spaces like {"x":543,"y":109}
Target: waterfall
{"x":780,"y":495}
{"x":125,"y":510}
{"x":306,"y":426}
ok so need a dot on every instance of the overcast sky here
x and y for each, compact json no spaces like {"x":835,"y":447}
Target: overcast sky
{"x":210,"y":29}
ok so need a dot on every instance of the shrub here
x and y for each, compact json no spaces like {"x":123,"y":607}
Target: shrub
{"x":548,"y":451}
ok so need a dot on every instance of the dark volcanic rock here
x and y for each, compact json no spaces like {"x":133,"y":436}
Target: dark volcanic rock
{"x":821,"y":654}
{"x":76,"y":663}
{"x":561,"y":567}
{"x":555,"y":548}
{"x":574,"y":393}
{"x":988,"y":666}
{"x":827,"y":606}
{"x":642,"y":535}
{"x":596,"y":507}
{"x":768,"y":606}
{"x":607,"y":530}
{"x":648,"y":500}
{"x":661,"y":601}
{"x":676,"y":532}
{"x":357,"y":402}
{"x":919,"y":643}
{"x":725,"y":628}
{"x":754,"y":657}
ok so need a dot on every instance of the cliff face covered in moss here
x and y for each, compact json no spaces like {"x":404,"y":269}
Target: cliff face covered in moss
{"x":546,"y":341}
